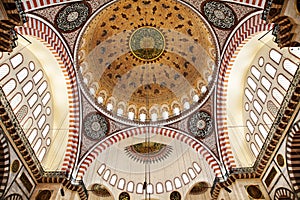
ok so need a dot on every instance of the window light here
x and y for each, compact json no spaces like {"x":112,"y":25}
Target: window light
{"x":283,"y":82}
{"x":16,"y":60}
{"x":9,"y":86}
{"x":270,"y":70}
{"x":21,"y":75}
{"x":290,"y":66}
{"x":4,"y":70}
{"x":266,"y":83}
{"x":255,"y":72}
{"x":275,"y":56}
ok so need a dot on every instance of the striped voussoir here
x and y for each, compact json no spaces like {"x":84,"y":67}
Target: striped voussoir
{"x":113,"y":139}
{"x":253,"y":25}
{"x":36,"y":27}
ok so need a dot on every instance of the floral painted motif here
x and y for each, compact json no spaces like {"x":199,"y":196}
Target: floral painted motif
{"x":219,"y":14}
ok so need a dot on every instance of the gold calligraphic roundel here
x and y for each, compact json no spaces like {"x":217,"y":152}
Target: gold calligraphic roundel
{"x":152,"y":61}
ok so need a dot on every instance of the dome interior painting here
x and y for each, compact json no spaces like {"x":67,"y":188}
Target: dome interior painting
{"x":149,"y":99}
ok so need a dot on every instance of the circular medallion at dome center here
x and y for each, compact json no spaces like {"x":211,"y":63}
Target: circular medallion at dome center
{"x":147,"y":43}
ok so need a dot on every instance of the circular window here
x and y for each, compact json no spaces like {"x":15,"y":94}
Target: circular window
{"x":280,"y":160}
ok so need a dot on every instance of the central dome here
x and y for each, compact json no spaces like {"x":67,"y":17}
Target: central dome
{"x":148,"y":61}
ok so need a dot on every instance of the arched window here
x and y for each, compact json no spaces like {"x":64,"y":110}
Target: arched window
{"x":130,"y":186}
{"x":278,"y":96}
{"x":255,"y":72}
{"x":32,"y":135}
{"x":41,"y":121}
{"x":9,"y":86}
{"x":177,"y":183}
{"x":4,"y":70}
{"x":113,"y":180}
{"x":275,"y":56}
{"x":253,"y":117}
{"x":248,"y":94}
{"x":251,"y":83}
{"x":36,"y":112}
{"x":38,"y":76}
{"x":21,"y":75}
{"x":290,"y":66}
{"x":37,"y":145}
{"x":250,"y":126}
{"x":197,"y":167}
{"x":191,"y":173}
{"x":159,"y":188}
{"x":185,"y":178}
{"x":267,"y":120}
{"x":258,"y":140}
{"x":27,"y":88}
{"x":101,"y":169}
{"x":15,"y":101}
{"x":257,"y":106}
{"x":270,"y":70}
{"x":261,"y":95}
{"x":169,"y":186}
{"x":121,"y":184}
{"x":106,"y":174}
{"x":266,"y":83}
{"x":41,"y":89}
{"x":42,"y":154}
{"x":46,"y":98}
{"x":45,"y":131}
{"x":32,"y":100}
{"x":263,"y":131}
{"x":254,"y":149}
{"x":16,"y":60}
{"x":283,"y":82}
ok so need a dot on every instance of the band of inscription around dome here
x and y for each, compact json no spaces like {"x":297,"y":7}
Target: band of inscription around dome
{"x":147,"y":43}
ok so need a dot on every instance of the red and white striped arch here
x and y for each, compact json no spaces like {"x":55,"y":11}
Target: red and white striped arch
{"x":252,"y":25}
{"x":255,"y":3}
{"x":167,"y":132}
{"x":29,"y":5}
{"x":37,"y":28}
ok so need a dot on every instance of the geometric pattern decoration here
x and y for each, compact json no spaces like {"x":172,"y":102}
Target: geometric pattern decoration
{"x":200,"y":124}
{"x":4,"y":162}
{"x":72,"y":17}
{"x":283,"y":193}
{"x":148,"y":153}
{"x":95,"y":126}
{"x":219,"y":14}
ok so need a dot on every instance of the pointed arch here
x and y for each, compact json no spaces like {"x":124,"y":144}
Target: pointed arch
{"x":40,"y":29}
